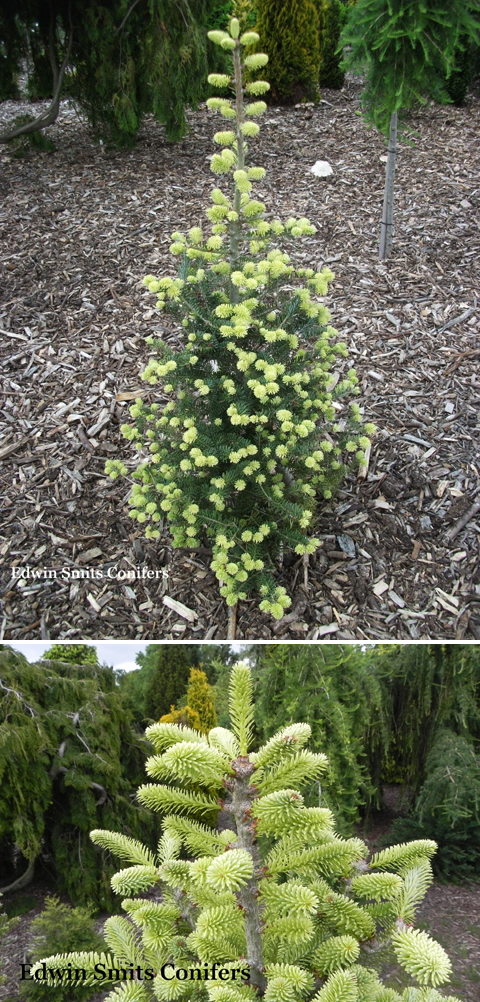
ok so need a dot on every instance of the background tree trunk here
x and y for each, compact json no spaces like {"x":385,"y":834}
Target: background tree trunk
{"x":49,"y":116}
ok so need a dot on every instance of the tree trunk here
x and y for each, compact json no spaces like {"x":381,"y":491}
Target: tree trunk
{"x":387,"y":214}
{"x":49,"y":116}
{"x":232,"y":622}
{"x":22,"y":881}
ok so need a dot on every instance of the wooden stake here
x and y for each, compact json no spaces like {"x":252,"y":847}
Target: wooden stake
{"x":387,"y":214}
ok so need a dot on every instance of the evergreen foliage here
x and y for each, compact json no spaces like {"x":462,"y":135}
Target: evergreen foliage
{"x":447,"y":808}
{"x":59,"y":929}
{"x":68,"y":760}
{"x":157,"y":64}
{"x":10,"y":56}
{"x":427,"y":688}
{"x":332,"y":18}
{"x":39,"y":80}
{"x":461,"y":77}
{"x":282,"y":908}
{"x":237,"y":457}
{"x":135,"y":684}
{"x":74,"y":654}
{"x":405,"y":50}
{"x":404,"y":714}
{"x":336,"y":690}
{"x":289,"y":31}
{"x":23,"y":145}
{"x":169,"y":681}
{"x":223,"y":10}
{"x":199,"y":711}
{"x":220,"y":14}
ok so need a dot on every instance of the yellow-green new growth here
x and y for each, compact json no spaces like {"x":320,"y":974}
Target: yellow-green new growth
{"x":280,"y":909}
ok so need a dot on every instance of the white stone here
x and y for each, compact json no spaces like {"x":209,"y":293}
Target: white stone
{"x":321,"y":169}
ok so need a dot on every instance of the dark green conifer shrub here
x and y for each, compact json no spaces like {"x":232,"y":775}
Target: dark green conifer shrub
{"x":289,"y":32}
{"x":170,"y":678}
{"x":459,"y":81}
{"x":332,"y":15}
{"x":219,"y":14}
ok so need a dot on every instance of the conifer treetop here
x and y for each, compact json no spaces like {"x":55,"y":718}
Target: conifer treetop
{"x":286,"y":920}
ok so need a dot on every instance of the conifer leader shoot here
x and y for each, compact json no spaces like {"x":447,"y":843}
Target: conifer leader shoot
{"x":279,"y":893}
{"x":254,"y":429}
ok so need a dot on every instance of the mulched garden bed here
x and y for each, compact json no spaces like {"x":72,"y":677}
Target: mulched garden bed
{"x":80,"y":228}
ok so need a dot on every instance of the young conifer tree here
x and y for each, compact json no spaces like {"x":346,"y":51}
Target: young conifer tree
{"x":254,"y":429}
{"x":278,"y":907}
{"x":405,"y":50}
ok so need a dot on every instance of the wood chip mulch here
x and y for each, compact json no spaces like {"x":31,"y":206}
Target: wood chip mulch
{"x":80,"y":228}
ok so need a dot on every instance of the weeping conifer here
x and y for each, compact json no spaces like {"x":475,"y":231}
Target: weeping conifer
{"x":336,"y":691}
{"x":427,"y":688}
{"x":68,"y":760}
{"x":124,"y":60}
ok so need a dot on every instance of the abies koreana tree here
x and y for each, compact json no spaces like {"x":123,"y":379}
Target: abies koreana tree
{"x":68,"y":760}
{"x":404,"y":49}
{"x":121,"y":60}
{"x":278,"y":898}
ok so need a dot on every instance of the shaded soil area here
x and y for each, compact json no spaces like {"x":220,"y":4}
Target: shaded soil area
{"x":81,"y":226}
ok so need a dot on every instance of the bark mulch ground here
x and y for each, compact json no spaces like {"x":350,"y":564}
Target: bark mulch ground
{"x":80,"y":228}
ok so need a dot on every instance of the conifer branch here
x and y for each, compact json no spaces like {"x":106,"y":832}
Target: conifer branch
{"x":294,"y":921}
